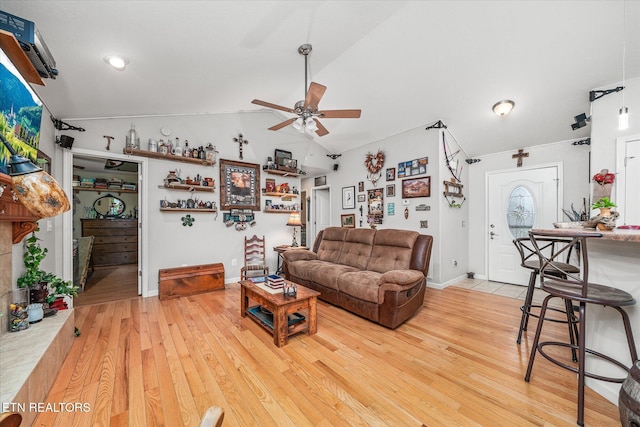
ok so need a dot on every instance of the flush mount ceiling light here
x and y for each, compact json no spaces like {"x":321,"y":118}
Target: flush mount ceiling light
{"x":504,"y":107}
{"x":117,"y":62}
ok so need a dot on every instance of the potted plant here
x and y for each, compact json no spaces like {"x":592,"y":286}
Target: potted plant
{"x":33,"y":277}
{"x":605,"y":205}
{"x":43,"y":286}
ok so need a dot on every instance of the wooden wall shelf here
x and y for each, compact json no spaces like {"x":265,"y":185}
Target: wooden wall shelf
{"x":187,"y":210}
{"x":280,"y":211}
{"x":103,"y":190}
{"x":188,"y":187}
{"x":283,"y":196}
{"x":12,"y":49}
{"x":170,"y":157}
{"x":281,"y":173}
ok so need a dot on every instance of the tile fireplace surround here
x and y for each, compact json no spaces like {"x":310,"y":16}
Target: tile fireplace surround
{"x":29,"y":359}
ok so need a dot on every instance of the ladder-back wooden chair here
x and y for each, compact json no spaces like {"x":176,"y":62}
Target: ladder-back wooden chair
{"x":254,"y":258}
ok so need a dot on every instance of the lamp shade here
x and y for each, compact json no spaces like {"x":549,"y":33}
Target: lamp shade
{"x":34,"y":188}
{"x":294,"y":219}
{"x":40,"y":194}
{"x":504,"y":107}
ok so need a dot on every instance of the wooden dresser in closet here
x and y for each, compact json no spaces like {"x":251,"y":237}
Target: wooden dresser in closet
{"x":115,"y":242}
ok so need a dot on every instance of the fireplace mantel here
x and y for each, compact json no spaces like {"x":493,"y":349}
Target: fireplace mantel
{"x":11,"y":210}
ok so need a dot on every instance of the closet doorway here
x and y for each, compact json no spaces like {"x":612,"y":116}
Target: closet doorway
{"x":106,"y":205}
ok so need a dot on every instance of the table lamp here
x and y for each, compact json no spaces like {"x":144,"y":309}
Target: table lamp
{"x":35,"y":189}
{"x":294,"y":221}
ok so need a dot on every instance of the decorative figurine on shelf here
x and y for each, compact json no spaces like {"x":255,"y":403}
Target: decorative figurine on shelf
{"x":173,"y":177}
{"x":132,"y":139}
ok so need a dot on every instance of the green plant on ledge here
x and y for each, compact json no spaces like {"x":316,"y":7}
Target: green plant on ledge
{"x":604,"y":202}
{"x":34,"y":275}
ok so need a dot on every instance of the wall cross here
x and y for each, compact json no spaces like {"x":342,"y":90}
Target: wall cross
{"x":241,"y":142}
{"x":519,"y":156}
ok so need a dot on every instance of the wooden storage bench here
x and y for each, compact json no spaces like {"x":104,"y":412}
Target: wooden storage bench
{"x":191,"y":280}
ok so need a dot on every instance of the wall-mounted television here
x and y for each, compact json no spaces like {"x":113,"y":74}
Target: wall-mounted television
{"x":20,"y":114}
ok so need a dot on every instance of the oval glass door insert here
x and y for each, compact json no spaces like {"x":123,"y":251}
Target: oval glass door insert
{"x":520,"y":212}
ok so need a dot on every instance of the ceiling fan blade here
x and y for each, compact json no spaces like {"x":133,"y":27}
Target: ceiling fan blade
{"x":314,"y":95}
{"x":283,"y":124}
{"x":339,"y":114}
{"x":274,"y":106}
{"x":322,"y":131}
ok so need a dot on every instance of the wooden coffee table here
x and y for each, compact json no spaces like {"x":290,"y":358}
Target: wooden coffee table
{"x":281,"y":307}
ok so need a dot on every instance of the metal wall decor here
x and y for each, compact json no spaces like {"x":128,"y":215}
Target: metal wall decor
{"x":187,"y":220}
{"x":241,"y":141}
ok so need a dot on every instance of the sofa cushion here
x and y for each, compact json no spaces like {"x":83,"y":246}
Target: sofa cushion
{"x":321,"y":272}
{"x":392,"y":250}
{"x":361,"y":284}
{"x":331,"y":244}
{"x":357,"y":246}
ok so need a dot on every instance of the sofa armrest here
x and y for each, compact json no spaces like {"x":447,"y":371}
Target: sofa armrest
{"x":402,"y":277}
{"x":299,"y":254}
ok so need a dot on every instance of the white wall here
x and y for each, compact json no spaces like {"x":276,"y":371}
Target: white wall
{"x":169,"y":243}
{"x":604,"y":124}
{"x":444,"y":223}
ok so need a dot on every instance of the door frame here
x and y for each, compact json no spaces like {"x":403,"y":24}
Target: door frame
{"x":560,"y":199}
{"x":312,"y":212}
{"x":143,"y":221}
{"x":621,"y":172}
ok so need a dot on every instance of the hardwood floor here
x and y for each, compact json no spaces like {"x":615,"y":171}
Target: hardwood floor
{"x":144,"y":362}
{"x":109,"y":284}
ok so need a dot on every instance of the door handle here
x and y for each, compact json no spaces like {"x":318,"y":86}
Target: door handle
{"x":492,"y":234}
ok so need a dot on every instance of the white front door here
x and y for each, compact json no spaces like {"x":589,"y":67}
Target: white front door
{"x":518,"y":200}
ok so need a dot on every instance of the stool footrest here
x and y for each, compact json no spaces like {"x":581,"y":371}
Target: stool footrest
{"x":574,"y":369}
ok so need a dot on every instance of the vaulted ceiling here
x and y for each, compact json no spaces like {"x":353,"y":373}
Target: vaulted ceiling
{"x":406,"y":64}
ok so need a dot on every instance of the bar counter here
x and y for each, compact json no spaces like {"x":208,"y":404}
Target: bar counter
{"x":614,"y":260}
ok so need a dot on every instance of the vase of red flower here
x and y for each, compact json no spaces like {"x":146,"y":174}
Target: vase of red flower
{"x":603,"y":181}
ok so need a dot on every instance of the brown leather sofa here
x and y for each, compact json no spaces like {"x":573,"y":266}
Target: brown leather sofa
{"x":377,"y":274}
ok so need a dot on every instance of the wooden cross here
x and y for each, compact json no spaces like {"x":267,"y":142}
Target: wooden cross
{"x":240,"y":141}
{"x":519,"y":156}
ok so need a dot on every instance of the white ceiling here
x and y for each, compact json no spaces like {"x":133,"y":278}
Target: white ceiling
{"x":406,"y":64}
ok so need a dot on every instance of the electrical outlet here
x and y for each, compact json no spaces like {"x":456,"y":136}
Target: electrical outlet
{"x":234,"y":262}
{"x":455,"y":263}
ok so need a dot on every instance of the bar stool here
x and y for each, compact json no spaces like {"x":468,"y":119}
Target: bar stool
{"x":566,"y":285}
{"x":529,"y":260}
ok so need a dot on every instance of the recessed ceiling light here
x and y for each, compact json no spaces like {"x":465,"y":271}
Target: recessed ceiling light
{"x":117,"y":62}
{"x":504,"y":107}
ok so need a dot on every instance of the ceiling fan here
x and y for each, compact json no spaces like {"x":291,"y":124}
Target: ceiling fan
{"x":307,"y":109}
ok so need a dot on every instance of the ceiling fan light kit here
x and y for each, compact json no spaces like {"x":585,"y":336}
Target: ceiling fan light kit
{"x":307,"y":109}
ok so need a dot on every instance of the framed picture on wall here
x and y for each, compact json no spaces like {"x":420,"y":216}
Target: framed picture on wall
{"x":348,"y":220}
{"x":391,"y":190}
{"x":349,"y":197}
{"x":362,"y":198}
{"x":391,"y":174}
{"x":239,"y":185}
{"x":416,"y":187}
